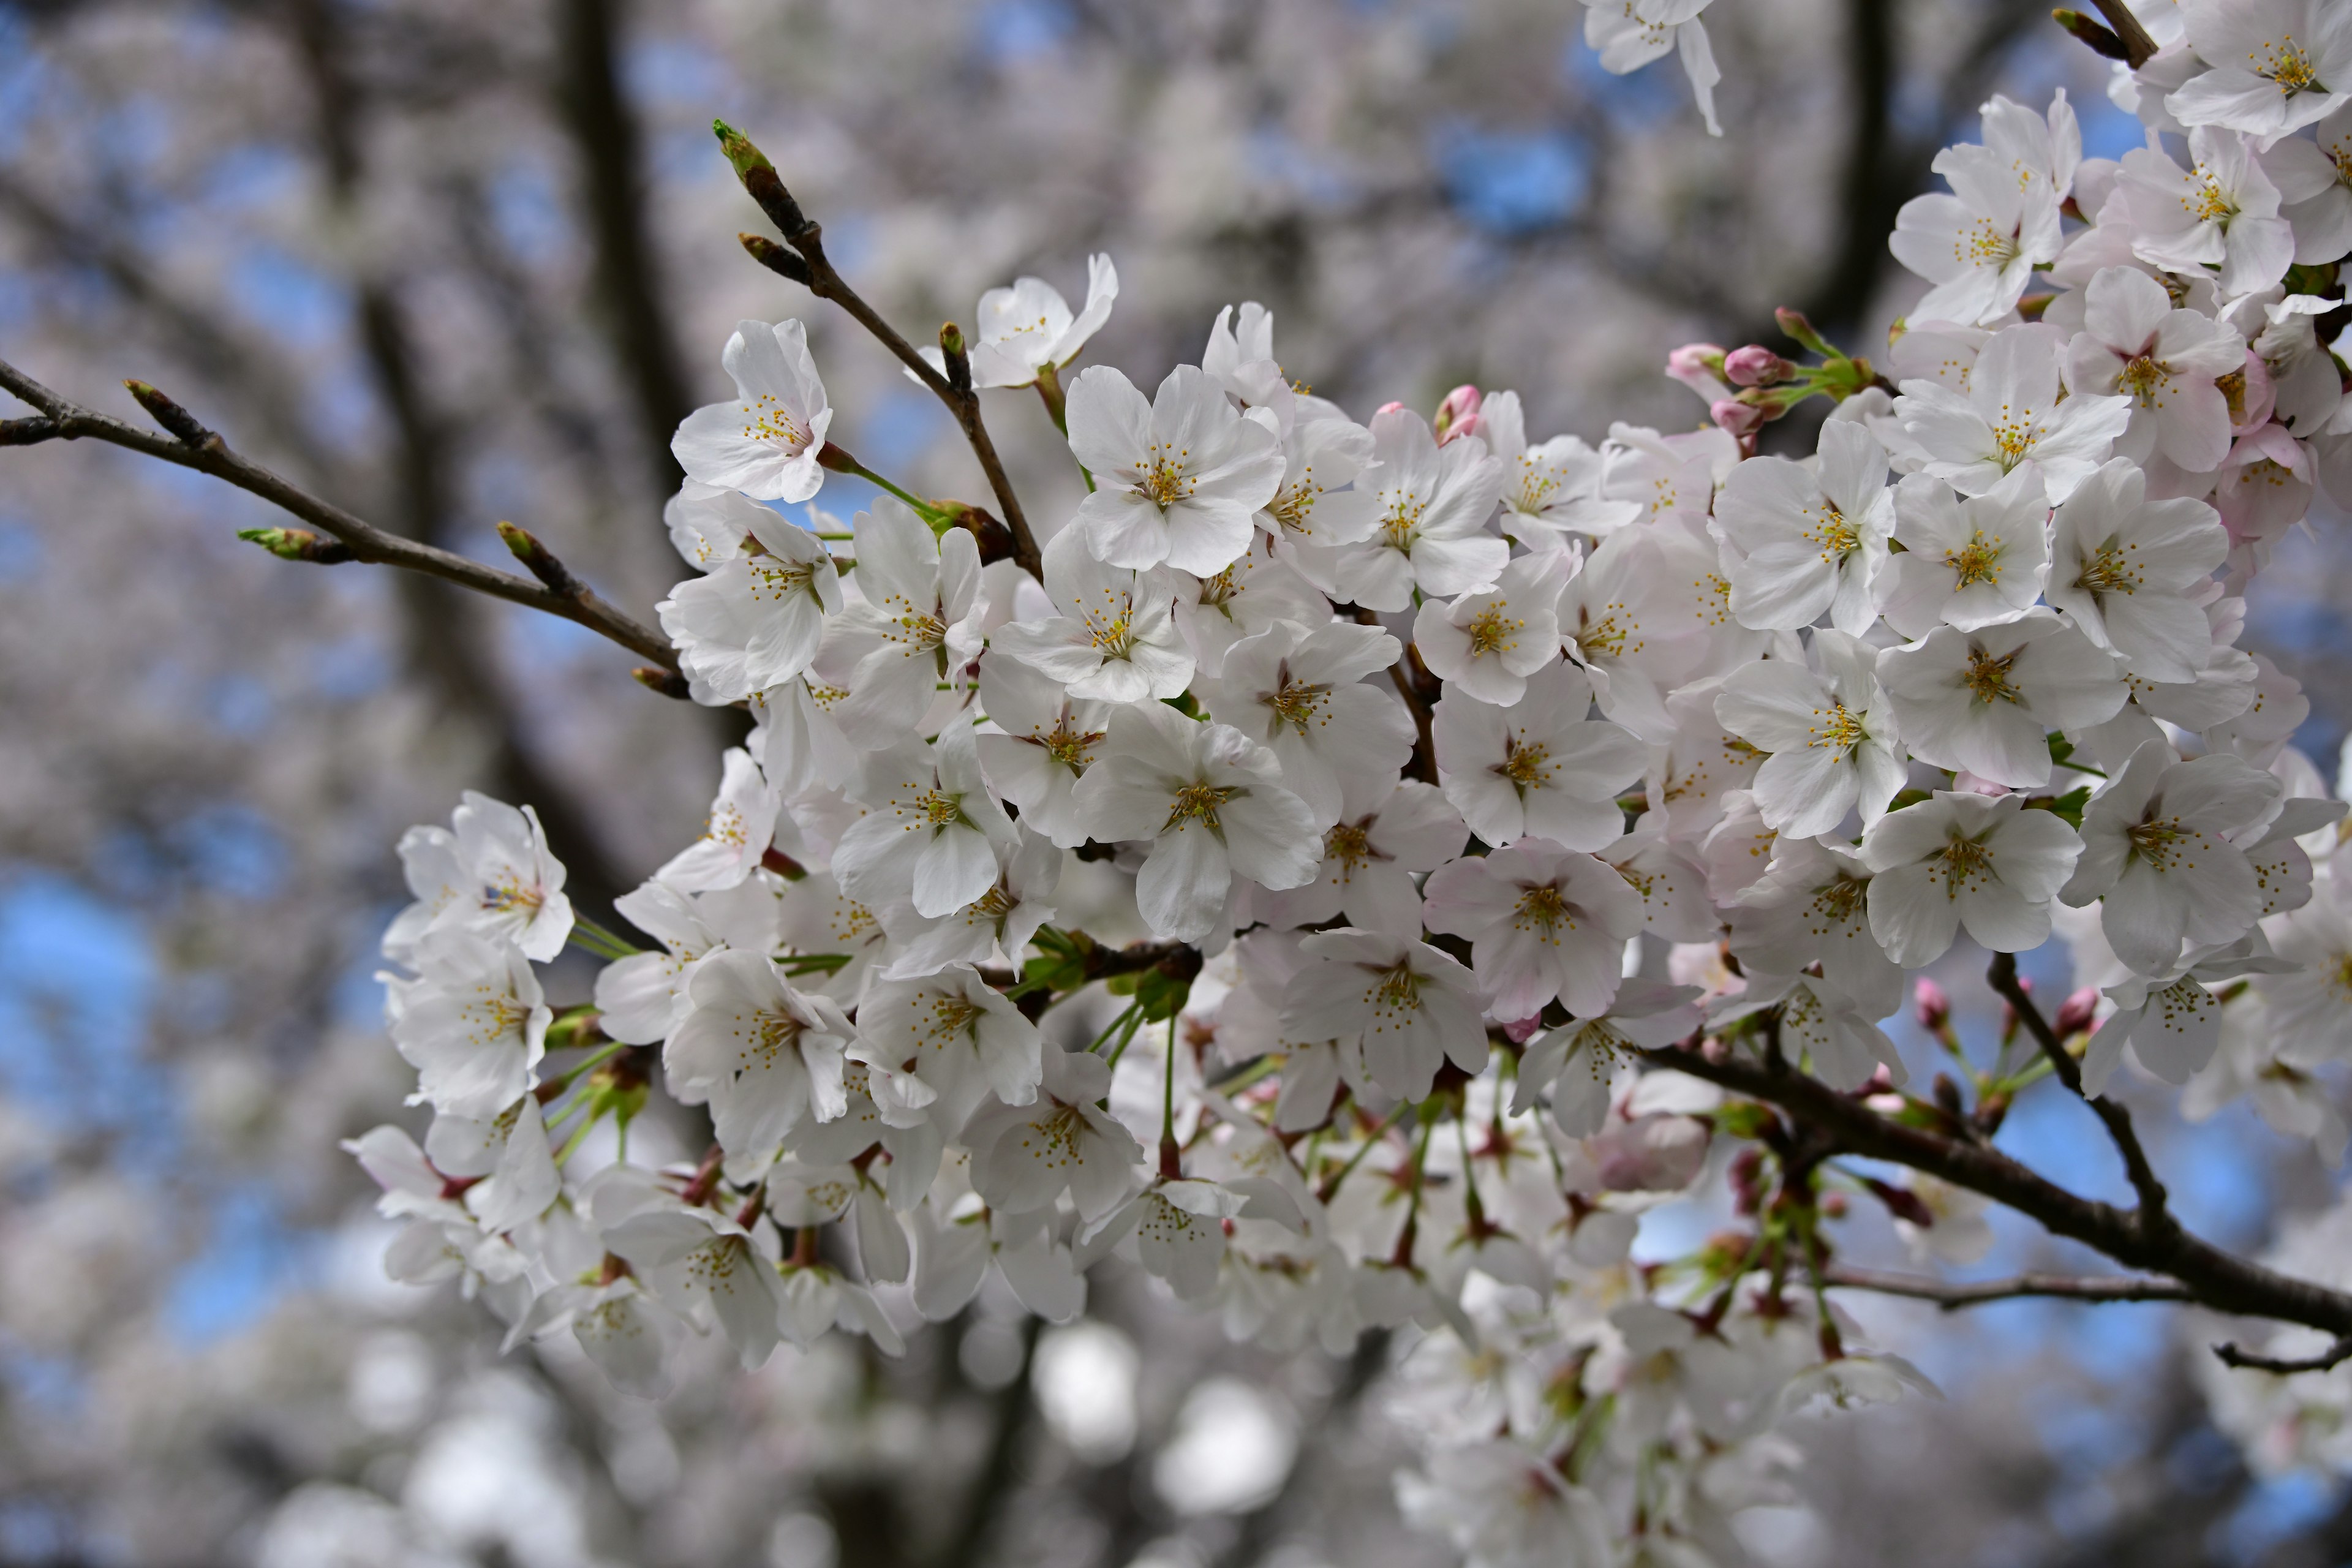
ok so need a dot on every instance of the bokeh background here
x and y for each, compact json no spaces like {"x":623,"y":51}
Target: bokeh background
{"x":450,"y":261}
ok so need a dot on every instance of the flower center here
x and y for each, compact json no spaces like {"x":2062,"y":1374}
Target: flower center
{"x":1402,"y":525}
{"x":1545,"y":907}
{"x":1167,"y":477}
{"x":1109,"y":627}
{"x":509,"y":894}
{"x":1492,"y":631}
{"x":774,"y":1035}
{"x":1294,"y":506}
{"x":2209,"y":203}
{"x":1988,"y":678}
{"x":1978,"y":561}
{"x":1838,"y":732}
{"x":2110,"y":572}
{"x":1526,"y":766}
{"x":2014,"y":437}
{"x":1197,"y":803}
{"x":1604,"y":636}
{"x":1837,"y":902}
{"x":2287,"y":66}
{"x":1398,"y":989}
{"x":768,"y":421}
{"x":778,"y":580}
{"x":1987,"y":246}
{"x":941,"y":809}
{"x":1298,"y":703}
{"x":950,"y":1017}
{"x":1072,"y":748}
{"x":1836,"y":536}
{"x":1964,"y":864}
{"x":2158,"y":841}
{"x":1347,"y":844}
{"x":2143,"y":376}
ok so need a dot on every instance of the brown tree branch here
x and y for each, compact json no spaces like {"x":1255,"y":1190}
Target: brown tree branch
{"x":2211,"y":1277}
{"x":2333,"y":1356}
{"x":368,"y":542}
{"x":1954,"y":1294}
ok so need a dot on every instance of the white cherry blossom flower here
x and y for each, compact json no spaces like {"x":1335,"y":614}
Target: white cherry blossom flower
{"x":936,"y":1047}
{"x":756,"y":620}
{"x":735,"y":835}
{"x":1411,"y":1007}
{"x":1811,"y":907}
{"x":1302,"y":694}
{"x":473,"y":1023}
{"x":1260,"y":588}
{"x":1638,"y":619}
{"x":1115,"y":639}
{"x":1552,"y":490}
{"x":490,"y":870}
{"x":1029,"y":328}
{"x":698,"y":1261}
{"x":1979,"y":246}
{"x":996,"y":926}
{"x":1370,"y":857}
{"x":1024,"y":1157}
{"x":929,"y":821}
{"x":1324,"y":497}
{"x":1809,"y":541}
{"x":765,"y":443}
{"x":1580,"y":1062}
{"x":763,"y":1054}
{"x":2012,"y":412}
{"x":1179,"y":479}
{"x":2315,"y":180}
{"x":707,"y":524}
{"x":1987,"y":700}
{"x":1486,"y":644}
{"x":1044,"y":742}
{"x":1965,"y":563}
{"x":2276,"y":65}
{"x":1212,"y":804}
{"x":2161,"y":852}
{"x":2169,"y":1017}
{"x":2220,"y":212}
{"x":1980,"y":861}
{"x":1821,"y":1026}
{"x":1542,"y":924}
{"x":1539,"y":767}
{"x":1629,"y":34}
{"x":1829,"y":731}
{"x":641,"y":998}
{"x":2166,"y":358}
{"x":2122,"y":568}
{"x":1429,"y":536}
{"x":914,"y":620}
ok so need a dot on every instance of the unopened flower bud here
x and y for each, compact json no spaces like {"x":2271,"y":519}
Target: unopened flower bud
{"x":1901,"y":1202}
{"x":1756,"y":365}
{"x":1458,"y":416}
{"x":1931,"y":1005}
{"x":1740,"y":419}
{"x":2076,"y":1014}
{"x":1698,"y":366}
{"x":1386,"y":408}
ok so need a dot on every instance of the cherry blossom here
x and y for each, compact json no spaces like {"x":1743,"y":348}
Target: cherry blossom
{"x":1981,"y":862}
{"x":1179,"y":479}
{"x":766,"y":442}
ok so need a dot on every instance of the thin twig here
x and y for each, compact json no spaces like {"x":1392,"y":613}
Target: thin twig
{"x":206,"y":453}
{"x":2333,"y":1355}
{"x":1954,"y":1294}
{"x":2153,"y":1214}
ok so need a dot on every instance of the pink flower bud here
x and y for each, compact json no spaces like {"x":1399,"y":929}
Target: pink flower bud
{"x":1740,"y":419}
{"x":1522,"y":1030}
{"x":1756,"y":365}
{"x":1932,"y":1006}
{"x":1458,"y":414}
{"x":1698,"y":366}
{"x":2074,"y":1015}
{"x":1386,"y":408}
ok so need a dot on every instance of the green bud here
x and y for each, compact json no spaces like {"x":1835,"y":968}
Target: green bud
{"x":740,"y":153}
{"x":297,"y":544}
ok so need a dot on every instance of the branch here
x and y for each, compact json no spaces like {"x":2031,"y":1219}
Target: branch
{"x":193,"y":447}
{"x":814,"y":270}
{"x":1952,"y":1296}
{"x":2152,"y":1214}
{"x":2333,"y":1355}
{"x":2211,"y":1277}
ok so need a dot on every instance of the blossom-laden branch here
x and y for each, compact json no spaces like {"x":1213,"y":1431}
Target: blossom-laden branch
{"x":807,"y":264}
{"x":187,"y":443}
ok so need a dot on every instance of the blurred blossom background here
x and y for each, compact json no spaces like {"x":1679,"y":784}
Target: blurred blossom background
{"x":449,"y":263}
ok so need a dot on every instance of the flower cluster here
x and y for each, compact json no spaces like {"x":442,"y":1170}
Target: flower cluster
{"x":1305,"y":882}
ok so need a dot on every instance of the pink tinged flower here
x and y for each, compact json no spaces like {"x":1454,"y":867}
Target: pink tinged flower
{"x":1741,"y":419}
{"x":473,"y":1023}
{"x":1115,"y":639}
{"x":2135,"y":344}
{"x":1179,"y":479}
{"x":756,"y":621}
{"x":2281,"y":64}
{"x":697,"y":1260}
{"x":1412,"y":1006}
{"x":1301,"y":693}
{"x":490,"y":870}
{"x":2122,"y":568}
{"x":1431,"y":506}
{"x":765,"y":443}
{"x":929,"y":821}
{"x":1542,"y":924}
{"x":2011,"y":413}
{"x":2265,"y":489}
{"x":1024,"y":1157}
{"x":1539,"y":767}
{"x":2162,"y":852}
{"x":1980,"y":861}
{"x":1640,"y":619}
{"x":1979,"y":246}
{"x":1699,"y":366}
{"x":735,"y":835}
{"x":2220,"y":212}
{"x":1580,"y":1062}
{"x":1487,"y":644}
{"x":1046,"y":740}
{"x":1803,"y":542}
{"x":1755,"y":366}
{"x":1829,"y":731}
{"x":1209,"y":801}
{"x":1810,"y":907}
{"x":914,"y":619}
{"x":1987,"y":700}
{"x":764,"y":1054}
{"x":1028,"y":327}
{"x":1370,"y":857}
{"x":937,"y":1047}
{"x":1965,"y":563}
